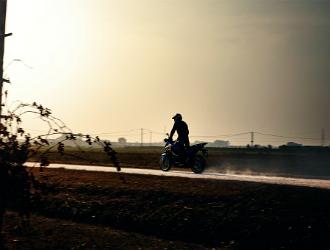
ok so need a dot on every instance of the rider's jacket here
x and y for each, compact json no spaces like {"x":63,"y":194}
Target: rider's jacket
{"x":182,"y":129}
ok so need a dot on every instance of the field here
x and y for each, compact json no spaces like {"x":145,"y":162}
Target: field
{"x":91,"y":210}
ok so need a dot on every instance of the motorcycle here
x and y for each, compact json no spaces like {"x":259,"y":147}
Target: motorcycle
{"x":175,"y":154}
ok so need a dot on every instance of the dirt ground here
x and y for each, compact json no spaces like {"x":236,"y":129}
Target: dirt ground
{"x":50,"y":233}
{"x":93,"y":210}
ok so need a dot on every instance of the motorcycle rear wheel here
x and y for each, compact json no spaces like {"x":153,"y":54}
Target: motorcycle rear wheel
{"x":164,"y":163}
{"x":198,"y":164}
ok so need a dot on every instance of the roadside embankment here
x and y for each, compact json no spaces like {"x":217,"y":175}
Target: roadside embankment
{"x":273,"y":162}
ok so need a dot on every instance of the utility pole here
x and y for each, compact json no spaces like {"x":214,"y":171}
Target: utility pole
{"x":322,"y":137}
{"x":3,"y":35}
{"x":252,"y":139}
{"x":141,"y":137}
{"x":3,"y":11}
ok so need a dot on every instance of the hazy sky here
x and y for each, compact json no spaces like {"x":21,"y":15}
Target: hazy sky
{"x":228,"y":66}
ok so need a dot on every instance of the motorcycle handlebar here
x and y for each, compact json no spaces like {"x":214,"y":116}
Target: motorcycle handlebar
{"x":168,"y":140}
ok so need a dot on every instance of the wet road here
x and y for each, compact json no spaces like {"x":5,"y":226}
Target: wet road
{"x":206,"y":175}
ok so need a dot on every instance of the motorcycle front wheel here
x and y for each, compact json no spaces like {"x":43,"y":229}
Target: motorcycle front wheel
{"x":198,"y":165}
{"x":164,"y":162}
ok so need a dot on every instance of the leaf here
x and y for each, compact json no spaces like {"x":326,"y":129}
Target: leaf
{"x":20,"y":131}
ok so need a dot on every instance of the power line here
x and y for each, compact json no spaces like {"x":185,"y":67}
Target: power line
{"x":141,"y":132}
{"x":217,"y":136}
{"x":147,"y":131}
{"x":19,"y":61}
{"x":117,"y":132}
{"x":288,"y":137}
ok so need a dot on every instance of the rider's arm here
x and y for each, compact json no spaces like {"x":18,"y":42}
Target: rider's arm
{"x":173,"y":131}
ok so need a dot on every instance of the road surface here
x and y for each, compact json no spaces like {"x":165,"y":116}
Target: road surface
{"x":318,"y":183}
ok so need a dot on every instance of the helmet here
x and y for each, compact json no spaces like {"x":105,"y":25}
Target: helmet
{"x":177,"y":117}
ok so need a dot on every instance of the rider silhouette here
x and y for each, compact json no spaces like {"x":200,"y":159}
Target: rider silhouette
{"x":182,"y":129}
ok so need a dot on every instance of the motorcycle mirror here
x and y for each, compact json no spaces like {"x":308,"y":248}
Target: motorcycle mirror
{"x":168,"y":134}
